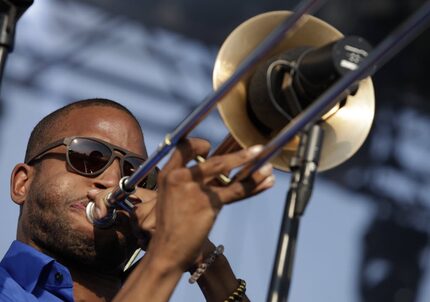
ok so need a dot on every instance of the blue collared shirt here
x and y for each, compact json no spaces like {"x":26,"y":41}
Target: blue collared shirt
{"x":28,"y":275}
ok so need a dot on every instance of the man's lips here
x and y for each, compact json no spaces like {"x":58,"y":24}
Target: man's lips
{"x":80,"y":204}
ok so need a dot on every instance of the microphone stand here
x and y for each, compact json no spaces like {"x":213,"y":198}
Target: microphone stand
{"x":303,"y":167}
{"x":10,"y":11}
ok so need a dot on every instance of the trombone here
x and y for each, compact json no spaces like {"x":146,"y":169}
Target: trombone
{"x":126,"y":186}
{"x":231,"y":74}
{"x":345,"y":127}
{"x":257,"y":39}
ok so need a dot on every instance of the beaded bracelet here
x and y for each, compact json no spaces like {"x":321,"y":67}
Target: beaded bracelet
{"x":238,"y":293}
{"x":208,"y":261}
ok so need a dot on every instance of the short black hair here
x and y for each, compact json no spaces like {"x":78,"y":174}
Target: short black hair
{"x":42,"y":133}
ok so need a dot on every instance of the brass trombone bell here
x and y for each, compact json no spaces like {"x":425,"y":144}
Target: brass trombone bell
{"x":344,"y":131}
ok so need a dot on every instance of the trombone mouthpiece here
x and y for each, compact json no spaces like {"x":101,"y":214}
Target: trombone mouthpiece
{"x":105,"y":222}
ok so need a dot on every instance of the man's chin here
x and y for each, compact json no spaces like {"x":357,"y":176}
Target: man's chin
{"x":79,"y":221}
{"x":111,"y":244}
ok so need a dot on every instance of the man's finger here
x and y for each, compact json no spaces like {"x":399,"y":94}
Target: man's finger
{"x":259,"y":181}
{"x":145,"y":215}
{"x":185,"y":151}
{"x":217,"y":165}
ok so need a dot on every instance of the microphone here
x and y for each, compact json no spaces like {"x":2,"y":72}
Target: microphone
{"x":286,"y":84}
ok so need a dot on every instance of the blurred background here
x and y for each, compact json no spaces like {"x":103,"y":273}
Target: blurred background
{"x":364,"y":236}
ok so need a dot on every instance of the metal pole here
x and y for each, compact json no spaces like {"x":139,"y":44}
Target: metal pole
{"x":303,"y":167}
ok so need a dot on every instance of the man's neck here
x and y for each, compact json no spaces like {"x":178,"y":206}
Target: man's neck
{"x":92,"y":286}
{"x":88,"y":284}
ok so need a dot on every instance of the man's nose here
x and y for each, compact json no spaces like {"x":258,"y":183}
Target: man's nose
{"x":109,"y":177}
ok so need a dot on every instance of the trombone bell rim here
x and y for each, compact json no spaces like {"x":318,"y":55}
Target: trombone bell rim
{"x":344,"y":131}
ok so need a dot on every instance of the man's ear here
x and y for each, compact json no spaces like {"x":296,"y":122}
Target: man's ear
{"x":20,"y":180}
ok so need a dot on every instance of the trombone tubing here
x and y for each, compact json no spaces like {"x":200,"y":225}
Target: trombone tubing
{"x":385,"y":51}
{"x":191,"y":121}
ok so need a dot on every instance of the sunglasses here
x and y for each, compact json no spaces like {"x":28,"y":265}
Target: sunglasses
{"x":89,"y":156}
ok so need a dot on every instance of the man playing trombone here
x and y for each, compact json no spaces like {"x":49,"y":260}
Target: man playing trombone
{"x":77,"y":155}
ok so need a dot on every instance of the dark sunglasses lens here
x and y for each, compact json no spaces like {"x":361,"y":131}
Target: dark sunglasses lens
{"x":131,"y":164}
{"x":88,"y":156}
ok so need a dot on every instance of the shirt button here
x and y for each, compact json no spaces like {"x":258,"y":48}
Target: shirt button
{"x":58,"y":277}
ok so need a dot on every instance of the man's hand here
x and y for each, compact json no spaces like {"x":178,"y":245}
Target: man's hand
{"x":189,"y":199}
{"x":143,"y":216}
{"x":188,"y":202}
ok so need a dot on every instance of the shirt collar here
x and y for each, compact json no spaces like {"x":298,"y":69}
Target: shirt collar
{"x":25,"y":265}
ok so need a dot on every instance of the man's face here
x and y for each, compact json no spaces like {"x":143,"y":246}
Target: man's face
{"x":53,"y":216}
